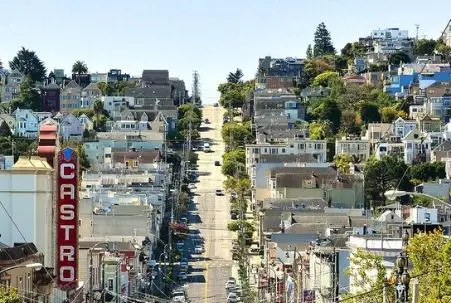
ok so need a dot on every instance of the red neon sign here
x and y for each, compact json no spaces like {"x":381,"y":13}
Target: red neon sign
{"x":67,"y":219}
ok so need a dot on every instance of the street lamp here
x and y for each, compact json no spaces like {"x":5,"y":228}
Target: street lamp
{"x":393,"y":194}
{"x":401,"y":275}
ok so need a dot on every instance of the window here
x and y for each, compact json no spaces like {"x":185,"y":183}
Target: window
{"x":283,"y":150}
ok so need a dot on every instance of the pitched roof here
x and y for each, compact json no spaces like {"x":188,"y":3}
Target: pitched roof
{"x":301,"y":158}
{"x":52,"y":86}
{"x":154,"y":91}
{"x":72,"y":87}
{"x":91,"y":86}
{"x":317,"y":171}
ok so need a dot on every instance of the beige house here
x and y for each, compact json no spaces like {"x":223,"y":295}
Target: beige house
{"x":376,"y":131}
{"x":358,"y":149}
{"x":89,"y":94}
{"x":70,"y":97}
{"x":33,"y":284}
{"x":343,"y":191}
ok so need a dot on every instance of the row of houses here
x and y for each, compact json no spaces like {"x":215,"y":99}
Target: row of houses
{"x":80,"y":93}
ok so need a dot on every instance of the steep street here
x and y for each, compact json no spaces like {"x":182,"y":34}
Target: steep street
{"x":209,"y":274}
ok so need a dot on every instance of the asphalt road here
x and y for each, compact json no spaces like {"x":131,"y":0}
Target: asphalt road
{"x":209,"y":274}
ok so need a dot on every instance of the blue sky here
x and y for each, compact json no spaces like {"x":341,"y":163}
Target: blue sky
{"x":210,"y":36}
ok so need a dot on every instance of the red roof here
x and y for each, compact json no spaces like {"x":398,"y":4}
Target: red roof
{"x":47,"y":136}
{"x":46,"y":149}
{"x":48,"y":128}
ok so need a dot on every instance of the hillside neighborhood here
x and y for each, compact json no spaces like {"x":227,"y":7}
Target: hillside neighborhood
{"x":324,"y":177}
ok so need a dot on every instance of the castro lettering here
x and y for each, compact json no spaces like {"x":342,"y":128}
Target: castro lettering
{"x":67,"y":219}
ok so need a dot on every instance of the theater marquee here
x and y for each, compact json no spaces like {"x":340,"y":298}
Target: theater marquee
{"x":67,"y":219}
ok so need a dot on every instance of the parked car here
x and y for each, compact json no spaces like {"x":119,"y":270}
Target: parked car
{"x":232,"y":298}
{"x":198,"y":250}
{"x":178,"y":296}
{"x":217,"y":163}
{"x":207,"y":121}
{"x":184,"y":263}
{"x":184,"y":220}
{"x":254,"y":249}
{"x":215,"y":104}
{"x":191,"y":186}
{"x":219,"y":192}
{"x":183,"y":275}
{"x":180,"y":246}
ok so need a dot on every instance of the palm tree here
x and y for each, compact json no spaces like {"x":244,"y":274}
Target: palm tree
{"x":79,"y":68}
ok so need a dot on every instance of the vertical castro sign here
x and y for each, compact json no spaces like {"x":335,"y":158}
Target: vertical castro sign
{"x":67,"y":219}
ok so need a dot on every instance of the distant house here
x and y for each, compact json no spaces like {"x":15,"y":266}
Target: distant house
{"x":11,"y":89}
{"x":344,"y":191}
{"x":70,"y":98}
{"x":89,"y":94}
{"x":26,"y":123}
{"x":10,"y":120}
{"x":71,"y":128}
{"x":50,"y":97}
{"x":86,"y":122}
{"x":442,"y":152}
{"x":358,"y":149}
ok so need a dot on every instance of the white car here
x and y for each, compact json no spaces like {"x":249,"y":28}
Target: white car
{"x":182,"y":275}
{"x":178,"y":296}
{"x":198,"y":250}
{"x":191,"y":186}
{"x":232,"y":298}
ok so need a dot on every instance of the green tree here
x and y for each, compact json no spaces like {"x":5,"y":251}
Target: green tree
{"x":236,"y":134}
{"x":368,"y":273}
{"x":235,"y":77}
{"x":98,"y":106}
{"x":240,"y":185}
{"x":325,"y":79}
{"x":233,"y":163}
{"x":316,"y":66}
{"x":309,"y":52}
{"x":9,"y":295}
{"x":323,"y":42}
{"x":352,"y":50}
{"x":444,"y":50}
{"x":430,"y":257}
{"x":424,"y":47}
{"x":390,"y":113}
{"x":328,"y":109}
{"x":79,"y":67}
{"x":398,"y":58}
{"x":382,"y":175}
{"x":5,"y":131}
{"x":29,"y":64}
{"x":319,"y":130}
{"x":369,"y":112}
{"x":427,"y":171}
{"x":106,"y":89}
{"x":121,"y":86}
{"x":29,"y":96}
{"x":349,"y":122}
{"x":342,"y":161}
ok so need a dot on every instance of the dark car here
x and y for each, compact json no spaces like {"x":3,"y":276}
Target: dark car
{"x":215,"y":104}
{"x":217,"y":163}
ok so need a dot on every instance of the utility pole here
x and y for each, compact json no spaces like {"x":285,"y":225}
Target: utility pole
{"x":417,"y":26}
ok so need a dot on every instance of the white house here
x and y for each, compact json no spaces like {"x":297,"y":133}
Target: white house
{"x":358,"y":149}
{"x":115,"y":104}
{"x":317,"y":148}
{"x":86,"y":122}
{"x":26,"y":123}
{"x":71,"y":128}
{"x":416,"y":147}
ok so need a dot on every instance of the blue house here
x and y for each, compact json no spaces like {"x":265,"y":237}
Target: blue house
{"x":26,"y":123}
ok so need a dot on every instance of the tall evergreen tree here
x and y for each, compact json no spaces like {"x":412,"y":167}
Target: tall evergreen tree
{"x":323,"y":42}
{"x":309,"y":52}
{"x":29,"y":64}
